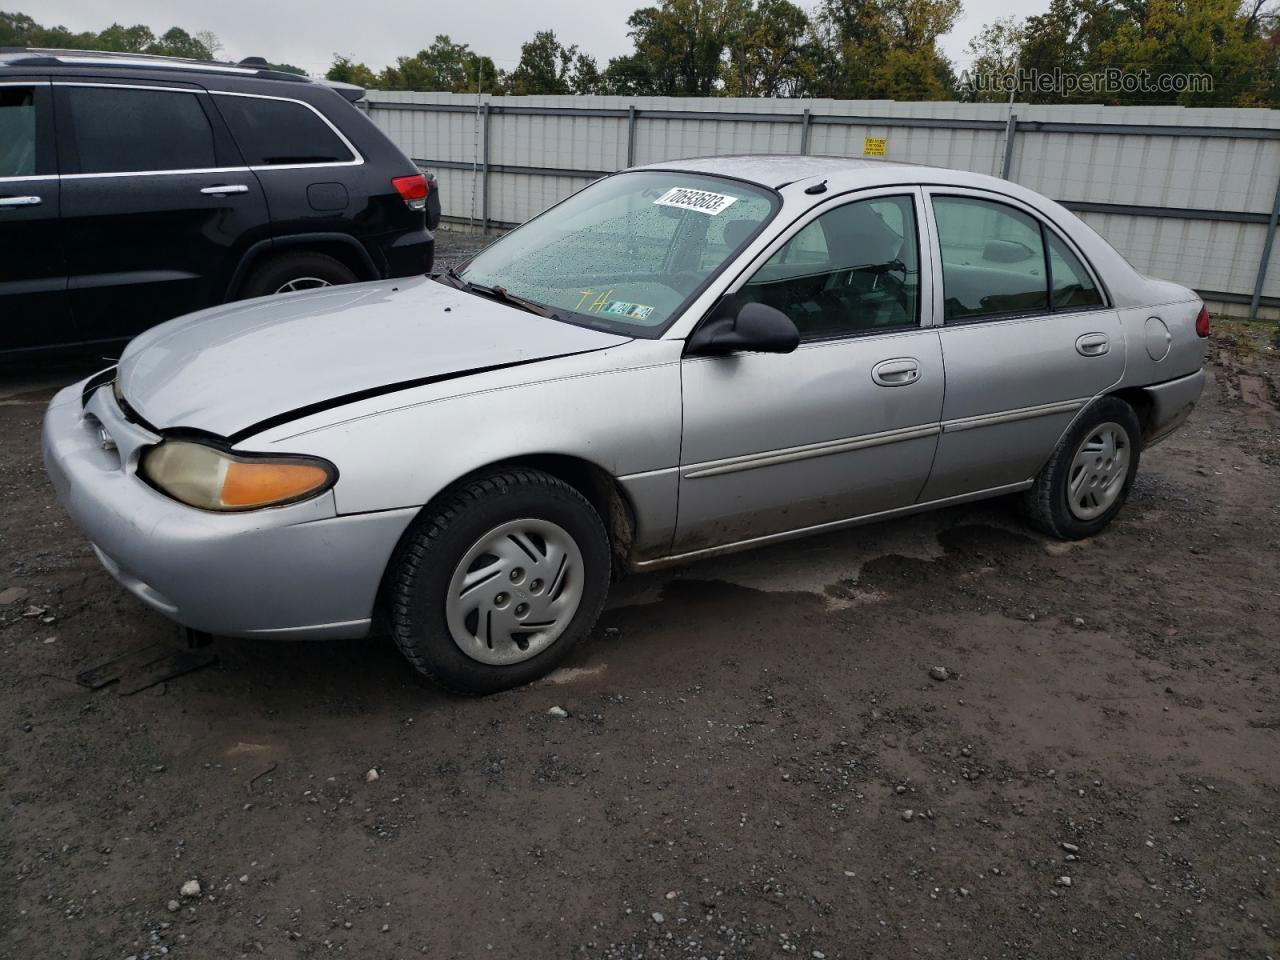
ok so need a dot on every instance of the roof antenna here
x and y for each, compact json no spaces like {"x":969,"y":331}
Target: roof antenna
{"x":817,"y":188}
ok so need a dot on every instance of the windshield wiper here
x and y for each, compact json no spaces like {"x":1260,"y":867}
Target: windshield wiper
{"x":499,"y":293}
{"x":502,"y":295}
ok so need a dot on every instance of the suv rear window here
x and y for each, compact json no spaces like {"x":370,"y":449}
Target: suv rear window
{"x":17,"y":132}
{"x":134,"y":131}
{"x":278,"y":132}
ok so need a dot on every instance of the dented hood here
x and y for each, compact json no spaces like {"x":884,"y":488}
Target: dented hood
{"x":225,"y":369}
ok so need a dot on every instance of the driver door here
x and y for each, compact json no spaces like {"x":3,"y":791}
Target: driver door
{"x":847,"y":424}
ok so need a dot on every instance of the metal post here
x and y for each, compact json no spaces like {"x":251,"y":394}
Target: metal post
{"x":1010,"y":131}
{"x":631,"y":136}
{"x":1266,"y":255}
{"x":804,"y":132}
{"x":484,"y":174}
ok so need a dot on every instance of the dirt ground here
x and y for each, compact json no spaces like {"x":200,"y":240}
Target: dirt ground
{"x":756,"y":760}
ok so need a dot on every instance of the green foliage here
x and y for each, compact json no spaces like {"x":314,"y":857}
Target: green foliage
{"x":885,"y":49}
{"x":20,"y":30}
{"x":1233,"y":43}
{"x":346,"y":70}
{"x":444,"y":66}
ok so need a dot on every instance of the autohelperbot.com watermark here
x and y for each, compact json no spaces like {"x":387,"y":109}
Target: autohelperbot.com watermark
{"x":1111,"y":80}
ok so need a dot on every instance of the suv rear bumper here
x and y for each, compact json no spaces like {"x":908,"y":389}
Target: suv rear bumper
{"x":408,"y":255}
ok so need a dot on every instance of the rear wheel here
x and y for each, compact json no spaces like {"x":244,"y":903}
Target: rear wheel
{"x":495,"y":587}
{"x":1087,"y":479}
{"x":299,"y":270}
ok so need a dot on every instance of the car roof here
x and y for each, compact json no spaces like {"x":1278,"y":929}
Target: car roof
{"x":776,"y":171}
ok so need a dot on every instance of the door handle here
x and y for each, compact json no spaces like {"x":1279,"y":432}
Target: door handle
{"x":1093,"y":344}
{"x":223,"y":189}
{"x":20,"y":201}
{"x":896,"y":373}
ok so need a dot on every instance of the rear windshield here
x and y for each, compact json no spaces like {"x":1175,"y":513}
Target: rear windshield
{"x":627,"y":252}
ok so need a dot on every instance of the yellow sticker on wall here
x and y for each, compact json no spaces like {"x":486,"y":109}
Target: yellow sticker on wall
{"x":874,"y":146}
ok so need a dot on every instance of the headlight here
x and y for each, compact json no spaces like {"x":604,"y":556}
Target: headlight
{"x":213,"y":479}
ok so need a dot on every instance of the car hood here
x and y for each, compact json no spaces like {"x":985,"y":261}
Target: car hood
{"x":229,"y":368}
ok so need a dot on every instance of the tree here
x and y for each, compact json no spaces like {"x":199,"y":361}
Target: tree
{"x":346,"y":70}
{"x":176,"y":42}
{"x":995,"y":54}
{"x":444,"y":66}
{"x":885,"y":49}
{"x":771,"y":52}
{"x":682,"y":43}
{"x":546,"y":67}
{"x":1230,"y":43}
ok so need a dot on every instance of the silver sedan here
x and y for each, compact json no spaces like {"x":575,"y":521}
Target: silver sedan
{"x":679,"y":360}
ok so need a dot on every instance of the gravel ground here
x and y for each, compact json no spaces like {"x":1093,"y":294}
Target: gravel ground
{"x":755,"y":756}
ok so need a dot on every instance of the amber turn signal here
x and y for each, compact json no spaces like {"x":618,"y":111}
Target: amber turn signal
{"x":212,"y":479}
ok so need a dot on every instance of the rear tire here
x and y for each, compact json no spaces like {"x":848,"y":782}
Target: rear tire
{"x":1087,"y":479}
{"x":497,"y":584}
{"x":299,"y":270}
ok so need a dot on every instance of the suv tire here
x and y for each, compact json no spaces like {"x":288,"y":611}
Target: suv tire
{"x":302,"y":270}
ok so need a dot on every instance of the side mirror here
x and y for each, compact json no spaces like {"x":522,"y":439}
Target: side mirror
{"x":758,"y":328}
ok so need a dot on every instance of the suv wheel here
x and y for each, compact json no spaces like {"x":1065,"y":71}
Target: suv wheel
{"x":303,"y":270}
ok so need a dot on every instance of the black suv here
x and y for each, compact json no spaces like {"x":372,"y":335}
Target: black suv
{"x":136,"y":189}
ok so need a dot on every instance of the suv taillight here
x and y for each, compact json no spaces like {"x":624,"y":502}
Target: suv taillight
{"x":412,"y":190}
{"x":1202,"y":322}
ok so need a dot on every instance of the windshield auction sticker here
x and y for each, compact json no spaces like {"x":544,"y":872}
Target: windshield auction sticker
{"x":701,"y":200}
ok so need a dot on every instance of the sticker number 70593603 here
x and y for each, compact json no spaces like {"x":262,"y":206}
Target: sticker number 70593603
{"x":704,"y":201}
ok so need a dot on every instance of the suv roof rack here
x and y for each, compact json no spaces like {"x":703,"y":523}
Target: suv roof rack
{"x":50,"y":57}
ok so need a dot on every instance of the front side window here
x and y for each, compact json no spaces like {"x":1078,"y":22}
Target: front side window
{"x":134,"y":131}
{"x":993,"y":261}
{"x":280,"y":132}
{"x":855,"y":268}
{"x":17,"y":132}
{"x":625,"y":253}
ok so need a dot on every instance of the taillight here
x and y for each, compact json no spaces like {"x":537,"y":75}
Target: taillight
{"x":412,"y":190}
{"x":1202,"y":322}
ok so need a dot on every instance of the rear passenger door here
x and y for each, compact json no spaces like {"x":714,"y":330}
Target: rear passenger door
{"x":33,"y":274}
{"x":157,"y":204}
{"x":1027,"y":339}
{"x":300,"y":157}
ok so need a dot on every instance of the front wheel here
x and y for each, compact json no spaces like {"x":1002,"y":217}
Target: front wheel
{"x":495,"y":586}
{"x":1087,"y":479}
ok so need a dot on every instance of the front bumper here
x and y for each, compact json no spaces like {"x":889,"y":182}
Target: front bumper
{"x":298,"y":572}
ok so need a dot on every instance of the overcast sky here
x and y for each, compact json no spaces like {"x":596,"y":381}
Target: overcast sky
{"x":309,"y":32}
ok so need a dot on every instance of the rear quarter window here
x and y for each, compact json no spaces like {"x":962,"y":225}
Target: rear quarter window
{"x":274,"y":133}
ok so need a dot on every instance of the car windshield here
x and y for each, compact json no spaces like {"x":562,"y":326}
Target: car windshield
{"x":628,"y":251}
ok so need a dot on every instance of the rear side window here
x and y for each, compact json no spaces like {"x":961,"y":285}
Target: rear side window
{"x":1072,"y":285}
{"x":135,"y":131}
{"x":993,"y":260}
{"x":279,"y":132}
{"x":17,"y":132}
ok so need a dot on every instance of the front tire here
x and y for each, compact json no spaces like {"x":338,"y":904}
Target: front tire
{"x":499,"y":581}
{"x":1088,"y":477}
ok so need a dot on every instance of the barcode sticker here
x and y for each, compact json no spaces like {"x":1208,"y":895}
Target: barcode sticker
{"x":701,"y":200}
